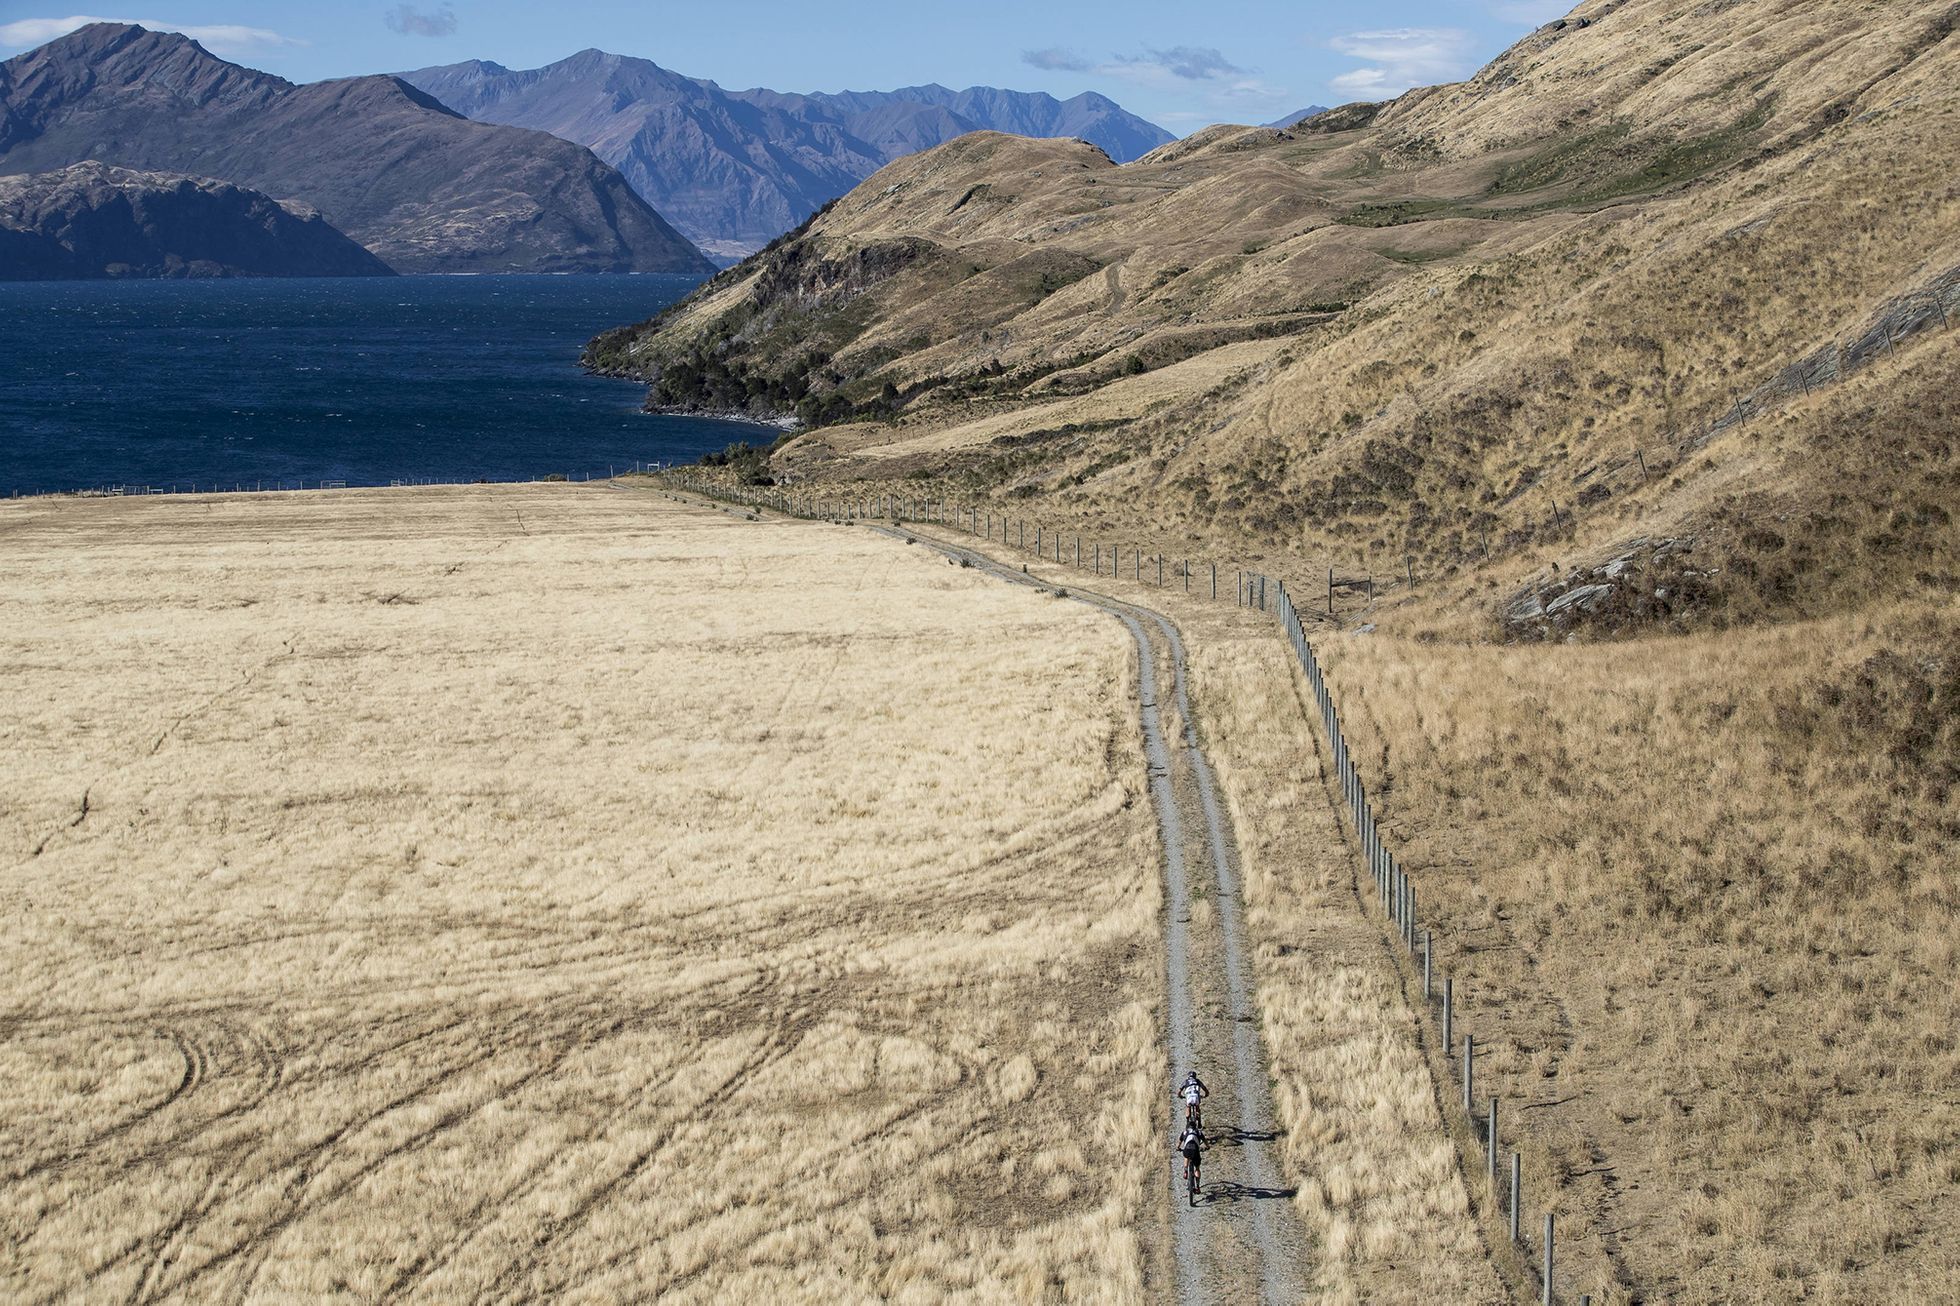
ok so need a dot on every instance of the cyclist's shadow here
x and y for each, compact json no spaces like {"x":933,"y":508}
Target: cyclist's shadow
{"x":1231,"y":1192}
{"x":1228,"y":1191}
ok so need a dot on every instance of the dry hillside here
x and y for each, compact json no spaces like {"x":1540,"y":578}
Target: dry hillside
{"x":1628,"y":369}
{"x":1438,"y":328}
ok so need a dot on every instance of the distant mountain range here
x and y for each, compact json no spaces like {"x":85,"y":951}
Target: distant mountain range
{"x":92,"y":220}
{"x":421,"y":187}
{"x":1298,"y":116}
{"x":734,"y":169}
{"x":470,"y":167}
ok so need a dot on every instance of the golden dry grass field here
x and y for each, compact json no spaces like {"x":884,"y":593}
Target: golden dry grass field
{"x":1699,"y":895}
{"x":511,"y":892}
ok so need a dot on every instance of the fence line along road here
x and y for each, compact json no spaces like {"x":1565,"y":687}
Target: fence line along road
{"x":1395,"y":889}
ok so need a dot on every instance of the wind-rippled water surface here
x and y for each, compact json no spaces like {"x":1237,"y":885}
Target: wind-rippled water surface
{"x":362,"y":380}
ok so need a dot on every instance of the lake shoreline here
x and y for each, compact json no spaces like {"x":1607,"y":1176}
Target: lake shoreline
{"x":782,"y":422}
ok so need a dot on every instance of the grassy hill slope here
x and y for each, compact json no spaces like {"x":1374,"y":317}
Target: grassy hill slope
{"x":1439,"y":329}
{"x":1628,"y":368}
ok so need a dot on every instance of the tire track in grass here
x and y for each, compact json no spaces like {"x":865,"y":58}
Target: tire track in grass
{"x":1245,"y":1241}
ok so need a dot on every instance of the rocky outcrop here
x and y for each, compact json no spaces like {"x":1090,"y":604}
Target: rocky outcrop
{"x":1647,"y":581}
{"x":93,"y":220}
{"x":423,"y":188}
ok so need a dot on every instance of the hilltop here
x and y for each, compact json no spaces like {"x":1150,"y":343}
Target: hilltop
{"x":422,"y":188}
{"x":1435,"y":330}
{"x":735,"y":169}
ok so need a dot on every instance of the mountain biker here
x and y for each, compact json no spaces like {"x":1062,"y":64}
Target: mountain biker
{"x":1193,"y":1091}
{"x":1191,"y":1146}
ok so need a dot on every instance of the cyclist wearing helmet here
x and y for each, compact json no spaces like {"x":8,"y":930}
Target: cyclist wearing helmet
{"x":1191,"y":1147}
{"x":1193,"y":1091}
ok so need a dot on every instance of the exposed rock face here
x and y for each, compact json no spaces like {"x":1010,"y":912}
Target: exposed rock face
{"x":1647,"y":582}
{"x":94,"y":220}
{"x":421,"y":187}
{"x":734,"y":169}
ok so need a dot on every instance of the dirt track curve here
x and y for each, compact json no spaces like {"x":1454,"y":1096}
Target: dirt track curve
{"x":1242,"y":1238}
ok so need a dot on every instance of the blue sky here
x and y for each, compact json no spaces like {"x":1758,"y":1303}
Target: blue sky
{"x":1181,"y":65}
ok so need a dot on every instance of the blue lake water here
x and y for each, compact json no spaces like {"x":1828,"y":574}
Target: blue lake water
{"x":362,"y":380}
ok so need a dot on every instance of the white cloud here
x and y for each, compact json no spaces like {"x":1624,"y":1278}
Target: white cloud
{"x":407,"y":20}
{"x":1181,"y":73}
{"x":1398,"y":58}
{"x":225,"y":38}
{"x":1193,"y":63}
{"x":1056,"y":59}
{"x":1256,"y":94}
{"x":1166,"y":69}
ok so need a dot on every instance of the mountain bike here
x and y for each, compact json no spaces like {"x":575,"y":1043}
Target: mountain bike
{"x":1191,"y":1179}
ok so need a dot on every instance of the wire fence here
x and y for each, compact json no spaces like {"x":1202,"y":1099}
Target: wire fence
{"x":1395,"y":889}
{"x":1397,"y":893}
{"x":1038,"y":539}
